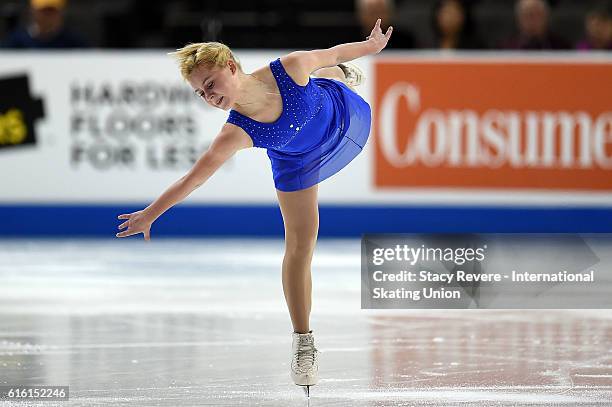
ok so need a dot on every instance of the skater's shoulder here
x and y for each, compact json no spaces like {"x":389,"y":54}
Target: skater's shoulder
{"x":287,"y":64}
{"x":232,"y":137}
{"x":292,"y":64}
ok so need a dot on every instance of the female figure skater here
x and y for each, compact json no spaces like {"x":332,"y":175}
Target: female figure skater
{"x":311,"y":128}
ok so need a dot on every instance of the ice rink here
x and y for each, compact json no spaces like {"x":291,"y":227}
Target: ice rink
{"x":204,"y":323}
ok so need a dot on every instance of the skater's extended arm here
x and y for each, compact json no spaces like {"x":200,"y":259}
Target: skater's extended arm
{"x":310,"y":61}
{"x":222,"y":148}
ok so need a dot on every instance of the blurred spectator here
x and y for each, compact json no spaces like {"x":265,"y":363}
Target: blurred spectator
{"x":46,"y":28}
{"x":453,"y":26}
{"x":368,"y":11}
{"x":598,"y":25}
{"x":533,"y":19}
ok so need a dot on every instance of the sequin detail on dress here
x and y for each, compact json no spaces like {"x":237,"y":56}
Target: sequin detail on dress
{"x":322,"y":127}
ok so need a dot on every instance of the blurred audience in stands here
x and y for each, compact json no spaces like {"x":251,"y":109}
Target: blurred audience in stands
{"x":453,"y":26}
{"x":368,"y":11}
{"x":533,"y":25}
{"x":168,"y":23}
{"x":46,"y":29}
{"x":598,"y":27}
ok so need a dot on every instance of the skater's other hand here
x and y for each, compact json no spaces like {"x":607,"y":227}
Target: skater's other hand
{"x":137,"y":222}
{"x":378,"y":39}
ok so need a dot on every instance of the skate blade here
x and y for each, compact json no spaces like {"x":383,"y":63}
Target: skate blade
{"x":306,"y":389}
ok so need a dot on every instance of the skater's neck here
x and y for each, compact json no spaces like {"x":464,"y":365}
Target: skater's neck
{"x":252,"y":93}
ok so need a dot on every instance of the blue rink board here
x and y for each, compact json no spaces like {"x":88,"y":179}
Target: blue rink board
{"x":335,"y":221}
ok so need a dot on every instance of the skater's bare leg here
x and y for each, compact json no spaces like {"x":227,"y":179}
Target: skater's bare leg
{"x":332,"y":72}
{"x":301,"y":218}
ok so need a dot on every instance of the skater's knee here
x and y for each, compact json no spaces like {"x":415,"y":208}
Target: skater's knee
{"x":302,"y":247}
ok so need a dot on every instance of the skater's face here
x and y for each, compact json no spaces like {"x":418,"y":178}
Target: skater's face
{"x":217,"y":86}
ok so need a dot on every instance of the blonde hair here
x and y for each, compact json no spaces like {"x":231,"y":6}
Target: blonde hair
{"x":210,"y":54}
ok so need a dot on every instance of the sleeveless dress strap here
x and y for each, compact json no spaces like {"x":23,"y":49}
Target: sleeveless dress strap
{"x":282,"y":77}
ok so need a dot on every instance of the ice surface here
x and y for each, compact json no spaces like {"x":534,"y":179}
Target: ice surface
{"x":204,"y":322}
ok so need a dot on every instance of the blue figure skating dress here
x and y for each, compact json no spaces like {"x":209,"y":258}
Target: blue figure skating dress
{"x":323,"y":126}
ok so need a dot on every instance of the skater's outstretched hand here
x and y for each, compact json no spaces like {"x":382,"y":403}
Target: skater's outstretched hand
{"x":137,"y":222}
{"x":378,"y":39}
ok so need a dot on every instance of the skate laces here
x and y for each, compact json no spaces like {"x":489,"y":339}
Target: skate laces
{"x":304,"y":358}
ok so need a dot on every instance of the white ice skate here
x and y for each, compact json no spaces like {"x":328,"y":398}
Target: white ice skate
{"x":354,"y":75}
{"x":305,"y":361}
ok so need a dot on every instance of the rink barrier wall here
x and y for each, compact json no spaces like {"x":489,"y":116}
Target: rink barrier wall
{"x":89,"y":140}
{"x":335,"y":220}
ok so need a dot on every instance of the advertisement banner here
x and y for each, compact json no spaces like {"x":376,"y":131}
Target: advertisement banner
{"x":108,"y":127}
{"x":494,"y":124}
{"x":119,"y":127}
